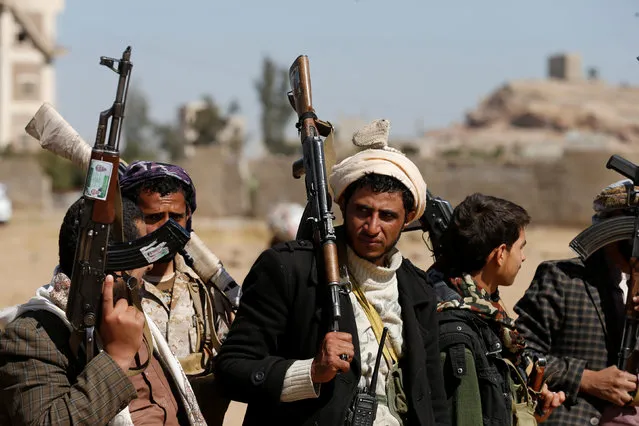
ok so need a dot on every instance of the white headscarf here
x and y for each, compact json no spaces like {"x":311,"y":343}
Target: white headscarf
{"x":380,"y":159}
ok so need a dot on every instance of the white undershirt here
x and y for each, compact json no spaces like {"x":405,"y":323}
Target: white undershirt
{"x":380,"y":288}
{"x":623,"y":285}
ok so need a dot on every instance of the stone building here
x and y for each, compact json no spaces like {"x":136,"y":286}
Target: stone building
{"x":27,"y":52}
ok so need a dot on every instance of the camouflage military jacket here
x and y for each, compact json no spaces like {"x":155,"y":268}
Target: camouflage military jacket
{"x":175,"y":313}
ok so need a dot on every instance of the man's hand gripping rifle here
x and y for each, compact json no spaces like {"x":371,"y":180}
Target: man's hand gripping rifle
{"x":318,"y":212}
{"x":99,"y":217}
{"x":609,"y":231}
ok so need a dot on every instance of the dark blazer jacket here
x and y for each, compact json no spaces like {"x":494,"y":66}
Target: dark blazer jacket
{"x":40,"y":382}
{"x":567,"y":314}
{"x":284,"y":316}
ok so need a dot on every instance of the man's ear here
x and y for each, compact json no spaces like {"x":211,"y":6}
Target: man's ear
{"x":410,"y":217}
{"x":500,"y":254}
{"x":497,"y":256}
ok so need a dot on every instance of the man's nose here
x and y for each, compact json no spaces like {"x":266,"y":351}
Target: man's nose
{"x":372,"y":225}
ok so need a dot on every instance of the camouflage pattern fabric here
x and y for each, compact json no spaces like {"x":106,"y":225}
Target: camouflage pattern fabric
{"x":174,"y":313}
{"x":617,"y":196}
{"x":477,"y":300}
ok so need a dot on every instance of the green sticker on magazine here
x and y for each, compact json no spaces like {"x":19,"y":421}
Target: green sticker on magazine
{"x":98,"y":179}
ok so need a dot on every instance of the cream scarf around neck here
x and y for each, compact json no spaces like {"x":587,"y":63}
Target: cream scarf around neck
{"x":379,"y":285}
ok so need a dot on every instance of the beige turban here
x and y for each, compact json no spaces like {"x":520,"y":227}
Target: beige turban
{"x":381,"y":159}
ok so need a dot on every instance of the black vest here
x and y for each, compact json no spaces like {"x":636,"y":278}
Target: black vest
{"x":460,"y":330}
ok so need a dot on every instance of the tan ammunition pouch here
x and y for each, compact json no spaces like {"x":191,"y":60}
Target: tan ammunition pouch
{"x":524,"y":399}
{"x":208,"y":343}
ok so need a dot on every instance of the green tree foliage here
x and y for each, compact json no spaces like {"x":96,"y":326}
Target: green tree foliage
{"x":170,"y":140}
{"x":65,"y":176}
{"x":208,"y":123}
{"x":234,"y":107}
{"x":272,"y":88}
{"x":137,"y":127}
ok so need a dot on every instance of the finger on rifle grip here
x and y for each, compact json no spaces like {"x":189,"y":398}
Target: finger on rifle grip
{"x":107,"y":295}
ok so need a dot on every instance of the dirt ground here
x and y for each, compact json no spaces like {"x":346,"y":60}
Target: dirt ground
{"x":29,"y":253}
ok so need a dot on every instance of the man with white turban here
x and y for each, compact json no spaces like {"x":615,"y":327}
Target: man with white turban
{"x":283,"y":221}
{"x":280,"y":355}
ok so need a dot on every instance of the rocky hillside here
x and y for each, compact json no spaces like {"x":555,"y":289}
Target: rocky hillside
{"x":540,"y":117}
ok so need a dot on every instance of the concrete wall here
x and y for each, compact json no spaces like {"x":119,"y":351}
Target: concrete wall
{"x":274,"y":183}
{"x":565,"y":67}
{"x":27,"y":186}
{"x":221,"y":188}
{"x":556,"y":192}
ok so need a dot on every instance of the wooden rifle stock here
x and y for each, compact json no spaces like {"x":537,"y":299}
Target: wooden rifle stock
{"x":313,"y":166}
{"x":536,"y":380}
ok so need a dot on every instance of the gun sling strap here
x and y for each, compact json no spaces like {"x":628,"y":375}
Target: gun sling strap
{"x":376,"y":324}
{"x":373,"y":316}
{"x":395,"y":397}
{"x":202,"y":301}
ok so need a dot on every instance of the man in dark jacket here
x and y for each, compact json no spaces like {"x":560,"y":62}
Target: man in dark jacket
{"x":573,"y":312}
{"x":280,"y":356}
{"x":43,"y":380}
{"x":485,"y":370}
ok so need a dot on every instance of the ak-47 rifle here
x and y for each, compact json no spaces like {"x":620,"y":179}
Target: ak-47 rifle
{"x":313,"y":165}
{"x":435,"y":220}
{"x":98,"y":218}
{"x":56,"y":135}
{"x":609,"y":231}
{"x":536,"y":381}
{"x":98,"y":215}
